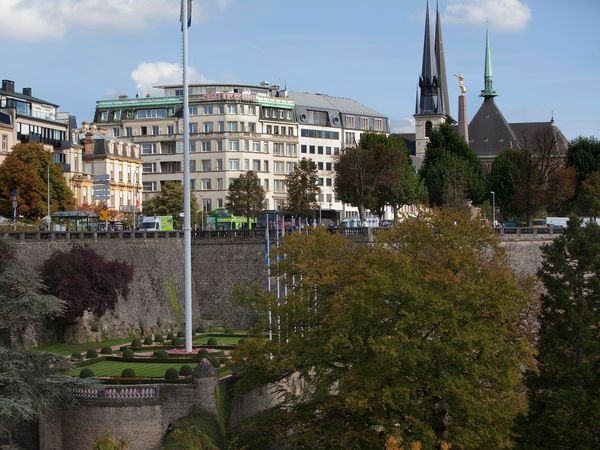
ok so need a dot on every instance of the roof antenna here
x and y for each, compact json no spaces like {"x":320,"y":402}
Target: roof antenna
{"x":552,"y":117}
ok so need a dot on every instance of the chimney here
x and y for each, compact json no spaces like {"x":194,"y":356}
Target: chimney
{"x":8,"y":85}
{"x":27,"y":92}
{"x":122,"y":97}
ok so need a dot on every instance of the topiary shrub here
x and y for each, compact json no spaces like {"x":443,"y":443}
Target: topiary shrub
{"x":159,"y":338}
{"x":128,"y":373}
{"x":177,"y":341}
{"x":86,"y":372}
{"x":228,"y":331}
{"x":171,"y":374}
{"x":91,"y":353}
{"x":148,"y":340}
{"x":185,"y":371}
{"x":170,"y":336}
{"x":201,"y":329}
{"x":76,"y":357}
{"x":214,"y":361}
{"x":128,"y":353}
{"x":161,"y":354}
{"x":203,"y":353}
{"x":213,"y":341}
{"x":181,"y":334}
{"x":106,"y":350}
{"x":136,"y":344}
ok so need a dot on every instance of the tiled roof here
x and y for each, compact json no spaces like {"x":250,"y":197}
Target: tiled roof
{"x":323,"y":101}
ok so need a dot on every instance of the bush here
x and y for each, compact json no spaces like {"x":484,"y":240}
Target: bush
{"x":159,"y":338}
{"x":136,"y":344}
{"x":201,"y":329}
{"x":128,"y":373}
{"x":241,"y":341}
{"x":177,"y":341}
{"x":128,"y":353}
{"x":214,"y":361}
{"x":106,"y":350}
{"x":228,"y":331}
{"x":203,"y":353}
{"x":148,"y":340}
{"x":91,"y":353}
{"x":181,"y":334}
{"x":76,"y":357}
{"x":86,"y":372}
{"x":213,"y":341}
{"x":171,"y":374}
{"x":223,"y":359}
{"x":161,"y":354}
{"x":185,"y":371}
{"x":170,"y":336}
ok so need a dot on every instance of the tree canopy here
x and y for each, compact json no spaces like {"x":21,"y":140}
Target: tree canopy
{"x":169,"y":202}
{"x":26,"y":169}
{"x":584,"y":155}
{"x":416,"y":338}
{"x":246,"y":196}
{"x":451,"y":170}
{"x":564,"y":390}
{"x":303,"y":188}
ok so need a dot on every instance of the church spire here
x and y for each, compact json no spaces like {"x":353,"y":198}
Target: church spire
{"x":488,"y":76}
{"x":428,"y":81}
{"x":444,"y":107}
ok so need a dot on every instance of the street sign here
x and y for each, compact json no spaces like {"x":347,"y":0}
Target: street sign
{"x":104,"y":215}
{"x":101,"y":177}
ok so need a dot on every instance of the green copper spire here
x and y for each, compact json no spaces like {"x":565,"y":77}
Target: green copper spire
{"x":488,"y":76}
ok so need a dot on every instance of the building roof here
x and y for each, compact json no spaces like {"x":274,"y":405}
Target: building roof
{"x":328,"y":102}
{"x":26,"y":97}
{"x":489,"y":132}
{"x":540,"y":133}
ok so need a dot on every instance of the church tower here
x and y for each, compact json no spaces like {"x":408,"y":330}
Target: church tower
{"x":432,"y":107}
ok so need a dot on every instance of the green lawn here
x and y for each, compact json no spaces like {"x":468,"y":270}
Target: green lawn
{"x":68,"y":349}
{"x":114,"y":368}
{"x":220,"y":340}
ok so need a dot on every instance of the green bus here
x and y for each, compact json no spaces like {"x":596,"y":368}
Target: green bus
{"x":221,"y":219}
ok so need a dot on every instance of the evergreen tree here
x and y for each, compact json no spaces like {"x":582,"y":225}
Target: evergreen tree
{"x":303,"y":188}
{"x":564,"y":391}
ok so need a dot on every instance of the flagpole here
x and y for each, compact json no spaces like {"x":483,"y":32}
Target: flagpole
{"x":187,"y":228}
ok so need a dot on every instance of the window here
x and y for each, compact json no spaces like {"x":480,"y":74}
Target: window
{"x":219,"y":165}
{"x":171,"y":148}
{"x":328,"y":166}
{"x":151,"y":113}
{"x":256,"y":165}
{"x":221,"y":109}
{"x":206,"y":146}
{"x":232,"y":127}
{"x":265,"y":166}
{"x":208,"y":127}
{"x":320,"y":198}
{"x":289,"y":167}
{"x":266,"y":147}
{"x":231,"y":109}
{"x":208,"y":110}
{"x":278,"y":167}
{"x":220,"y":203}
{"x":246,"y":146}
{"x":192,"y":146}
{"x":251,"y":127}
{"x":275,"y":129}
{"x":320,"y":149}
{"x":320,"y":183}
{"x":290,"y":149}
{"x":328,"y":181}
{"x":336,"y":151}
{"x":328,"y":150}
{"x":193,"y":110}
{"x":303,"y":148}
{"x":149,"y":186}
{"x":4,"y":142}
{"x":103,"y":116}
{"x":220,"y":146}
{"x":278,"y":149}
{"x":205,"y":184}
{"x":279,"y":185}
{"x":221,"y":127}
{"x":234,"y":164}
{"x":246,"y":164}
{"x":364,"y":123}
{"x":428,"y":127}
{"x":269,"y":129}
{"x":311,"y":149}
{"x":193,"y":128}
{"x":320,"y":165}
{"x":350,"y":122}
{"x":129,"y":131}
{"x":234,"y":146}
{"x":320,"y":134}
{"x":256,"y":147}
{"x":143,"y":131}
{"x":155,"y":130}
{"x":266,"y":184}
{"x":220,"y":184}
{"x":378,"y":124}
{"x":148,"y":148}
{"x":206,"y":165}
{"x":117,"y":115}
{"x":290,"y":131}
{"x":192,"y":165}
{"x":170,"y":130}
{"x":251,"y":110}
{"x":116,"y":132}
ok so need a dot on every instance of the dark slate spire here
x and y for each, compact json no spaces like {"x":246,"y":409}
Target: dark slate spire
{"x":488,"y":76}
{"x":441,"y":65}
{"x":428,"y":82}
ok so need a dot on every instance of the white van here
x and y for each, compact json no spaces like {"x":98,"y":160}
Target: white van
{"x":557,"y":222}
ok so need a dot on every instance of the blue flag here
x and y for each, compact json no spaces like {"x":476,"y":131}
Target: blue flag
{"x":189,"y":13}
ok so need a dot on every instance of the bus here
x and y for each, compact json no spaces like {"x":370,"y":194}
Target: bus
{"x":221,"y":219}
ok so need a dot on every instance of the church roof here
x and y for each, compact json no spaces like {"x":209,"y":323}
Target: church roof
{"x":489,"y":132}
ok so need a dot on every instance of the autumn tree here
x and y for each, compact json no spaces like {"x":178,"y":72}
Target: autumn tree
{"x":418,"y":338}
{"x":303,"y":188}
{"x":246,"y":196}
{"x":85,"y":281}
{"x":169,"y":202}
{"x":564,"y":389}
{"x":451,"y":171}
{"x":26,"y":169}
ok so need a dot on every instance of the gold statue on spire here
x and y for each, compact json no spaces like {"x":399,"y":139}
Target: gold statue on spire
{"x":461,"y":85}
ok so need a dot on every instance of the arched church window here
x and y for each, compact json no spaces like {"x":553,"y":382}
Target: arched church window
{"x":428,"y":127}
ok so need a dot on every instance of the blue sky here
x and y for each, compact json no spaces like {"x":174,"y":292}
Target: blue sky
{"x":545,"y":53}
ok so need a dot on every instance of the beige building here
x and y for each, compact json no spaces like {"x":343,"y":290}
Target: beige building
{"x":7,"y":133}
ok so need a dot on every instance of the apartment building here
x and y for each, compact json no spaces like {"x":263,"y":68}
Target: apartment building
{"x":233,"y":129}
{"x":327,"y":125}
{"x":7,"y":135}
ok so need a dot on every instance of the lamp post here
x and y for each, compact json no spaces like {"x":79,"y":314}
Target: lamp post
{"x":48,"y":219}
{"x":493,"y":209}
{"x":135,"y":186}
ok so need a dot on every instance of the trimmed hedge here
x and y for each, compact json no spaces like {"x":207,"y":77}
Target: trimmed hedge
{"x":106,"y":350}
{"x":148,"y":340}
{"x":159,"y":338}
{"x":170,"y":336}
{"x":202,"y":353}
{"x":185,"y":371}
{"x":136,"y":344}
{"x":212,"y":341}
{"x":215,"y":362}
{"x":128,"y":373}
{"x":201,"y":329}
{"x":177,"y":341}
{"x":181,"y":334}
{"x":76,"y":357}
{"x":91,"y":353}
{"x":128,"y":353}
{"x":86,"y":372}
{"x":171,"y":374}
{"x":162,"y":354}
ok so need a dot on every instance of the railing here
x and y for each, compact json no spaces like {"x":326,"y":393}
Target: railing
{"x":125,"y":393}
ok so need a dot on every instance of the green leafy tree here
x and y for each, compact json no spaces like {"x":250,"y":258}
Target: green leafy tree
{"x":564,"y":391}
{"x":169,"y":202}
{"x":451,"y":171}
{"x":418,"y":338}
{"x":588,"y":201}
{"x":26,"y":169}
{"x":303,"y":188}
{"x":29,"y":380}
{"x":246,"y":196}
{"x":584,"y":155}
{"x":501,"y":181}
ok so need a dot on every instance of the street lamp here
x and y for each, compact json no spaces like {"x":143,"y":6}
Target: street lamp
{"x":135,"y":186}
{"x":493,"y":209}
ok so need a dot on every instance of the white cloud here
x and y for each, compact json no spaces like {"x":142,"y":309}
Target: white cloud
{"x":406,"y":125}
{"x":506,"y":15}
{"x":149,"y":74}
{"x":34,"y":20}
